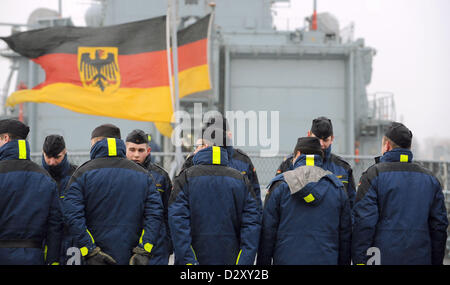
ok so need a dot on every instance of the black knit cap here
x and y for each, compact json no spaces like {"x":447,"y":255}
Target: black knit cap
{"x":309,"y":145}
{"x":217,"y":136}
{"x":137,"y":137}
{"x":53,"y":145}
{"x":399,"y":134}
{"x":107,"y":131}
{"x":217,"y":120}
{"x":322,"y":127}
{"x":14,"y":127}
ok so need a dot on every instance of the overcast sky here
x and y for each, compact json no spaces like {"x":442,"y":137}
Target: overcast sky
{"x":411,"y":37}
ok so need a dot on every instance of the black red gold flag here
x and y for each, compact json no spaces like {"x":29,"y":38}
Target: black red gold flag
{"x":117,"y":71}
{"x":193,"y":66}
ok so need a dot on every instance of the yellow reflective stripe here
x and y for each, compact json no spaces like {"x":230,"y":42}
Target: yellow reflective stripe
{"x":84,"y":251}
{"x":239,"y":256}
{"x":89,"y":233}
{"x":148,"y":247}
{"x":55,"y":263}
{"x":195,"y":256}
{"x":45,"y":252}
{"x":310,"y":159}
{"x":403,"y":158}
{"x":22,"y":149}
{"x":112,"y":148}
{"x":142,"y":235}
{"x":160,"y":190}
{"x":216,"y":155}
{"x":309,"y":198}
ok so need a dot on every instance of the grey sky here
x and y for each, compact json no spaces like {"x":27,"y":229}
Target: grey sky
{"x":412,"y":39}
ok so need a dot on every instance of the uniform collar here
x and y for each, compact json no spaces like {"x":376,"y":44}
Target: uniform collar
{"x":308,"y":159}
{"x":147,"y":161}
{"x":327,"y":153}
{"x":60,"y":170}
{"x":397,"y":155}
{"x":16,"y":149}
{"x":108,"y":147}
{"x":211,"y":155}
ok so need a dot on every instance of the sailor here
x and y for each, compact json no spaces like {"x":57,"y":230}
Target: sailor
{"x":322,"y":128}
{"x":214,"y":214}
{"x":399,"y":208}
{"x":30,"y":215}
{"x":54,"y":160}
{"x":139,"y":151}
{"x":306,"y":218}
{"x":111,"y":205}
{"x":237,"y":158}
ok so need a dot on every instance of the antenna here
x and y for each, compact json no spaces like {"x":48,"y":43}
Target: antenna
{"x":314,"y":18}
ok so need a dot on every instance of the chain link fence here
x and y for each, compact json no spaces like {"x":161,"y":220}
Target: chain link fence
{"x":266,"y":167}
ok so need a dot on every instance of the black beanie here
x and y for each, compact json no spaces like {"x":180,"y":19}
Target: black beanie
{"x":137,"y":137}
{"x":107,"y":131}
{"x":217,"y":121}
{"x":322,"y":127}
{"x":399,"y":134}
{"x":217,"y":136}
{"x":308,"y":145}
{"x":53,"y":145}
{"x":14,"y":127}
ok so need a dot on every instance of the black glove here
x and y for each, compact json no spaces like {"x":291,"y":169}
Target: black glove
{"x":98,"y":257}
{"x":140,"y":256}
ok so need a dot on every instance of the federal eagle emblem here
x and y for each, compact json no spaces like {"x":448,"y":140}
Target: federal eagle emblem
{"x":99,"y":68}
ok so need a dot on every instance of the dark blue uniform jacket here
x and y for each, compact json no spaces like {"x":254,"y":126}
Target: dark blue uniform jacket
{"x":29,"y":209}
{"x":214,"y":215}
{"x":61,"y":173}
{"x":400,"y":210}
{"x":238,"y":160}
{"x":306,"y":218}
{"x":111,"y":202}
{"x":164,"y":187}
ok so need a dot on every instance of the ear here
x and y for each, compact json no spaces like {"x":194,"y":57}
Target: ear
{"x":388,"y":145}
{"x":149,"y":149}
{"x":296,"y":155}
{"x":309,"y":133}
{"x":7,"y":138}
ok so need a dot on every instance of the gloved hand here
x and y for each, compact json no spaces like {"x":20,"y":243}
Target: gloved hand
{"x":98,"y":257}
{"x":140,"y":256}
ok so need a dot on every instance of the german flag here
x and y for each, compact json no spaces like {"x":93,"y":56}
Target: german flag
{"x":193,"y":62}
{"x":117,"y":71}
{"x":193,"y":57}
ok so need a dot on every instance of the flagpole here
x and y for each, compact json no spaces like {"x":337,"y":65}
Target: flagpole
{"x":173,"y":21}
